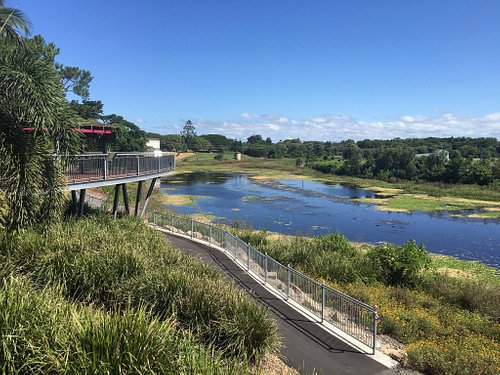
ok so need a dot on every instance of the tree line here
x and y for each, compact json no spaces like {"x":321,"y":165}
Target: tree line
{"x":452,"y":159}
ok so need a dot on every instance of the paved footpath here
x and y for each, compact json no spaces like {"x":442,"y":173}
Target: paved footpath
{"x":307,"y":347}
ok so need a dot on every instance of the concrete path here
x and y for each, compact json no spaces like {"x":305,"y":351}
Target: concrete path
{"x":307,"y":347}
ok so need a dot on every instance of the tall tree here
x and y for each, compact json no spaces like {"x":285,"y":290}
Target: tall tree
{"x":73,"y":79}
{"x":189,"y":134}
{"x":88,"y":109}
{"x":13,"y":23}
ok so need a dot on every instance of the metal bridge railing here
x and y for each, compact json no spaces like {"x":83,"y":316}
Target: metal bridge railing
{"x":349,"y":315}
{"x":97,"y":167}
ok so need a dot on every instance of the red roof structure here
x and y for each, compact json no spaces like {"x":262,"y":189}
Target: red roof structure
{"x":90,"y":128}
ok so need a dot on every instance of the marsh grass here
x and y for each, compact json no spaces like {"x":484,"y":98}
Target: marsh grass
{"x":127,"y":274}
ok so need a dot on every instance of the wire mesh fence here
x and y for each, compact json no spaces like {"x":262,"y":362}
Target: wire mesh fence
{"x":349,"y":315}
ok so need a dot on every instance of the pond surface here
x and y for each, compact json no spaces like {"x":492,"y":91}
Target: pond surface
{"x":312,"y":208}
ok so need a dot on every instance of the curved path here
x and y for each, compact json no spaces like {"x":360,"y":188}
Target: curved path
{"x":307,"y":347}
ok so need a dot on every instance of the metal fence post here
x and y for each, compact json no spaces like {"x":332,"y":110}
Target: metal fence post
{"x":105,"y":168}
{"x":234,"y":249}
{"x":288,"y":281}
{"x":248,"y":257}
{"x":265,"y":269}
{"x":172,"y":223}
{"x":375,"y":321}
{"x":323,"y":298}
{"x":192,"y":228}
{"x":159,"y":165}
{"x":138,"y":166}
{"x":210,"y":234}
{"x":154,"y":217}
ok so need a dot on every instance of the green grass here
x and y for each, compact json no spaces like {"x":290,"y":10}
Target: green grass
{"x":110,"y":269}
{"x":467,"y":269}
{"x":407,"y":203}
{"x":255,"y":166}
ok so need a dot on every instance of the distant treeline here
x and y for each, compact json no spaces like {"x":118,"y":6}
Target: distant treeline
{"x":453,"y":160}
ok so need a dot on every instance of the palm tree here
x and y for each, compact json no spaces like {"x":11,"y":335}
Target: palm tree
{"x":13,"y":23}
{"x":32,"y":96}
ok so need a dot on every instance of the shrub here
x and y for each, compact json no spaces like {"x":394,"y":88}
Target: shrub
{"x":399,"y":265}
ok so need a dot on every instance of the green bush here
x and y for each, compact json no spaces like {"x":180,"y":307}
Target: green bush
{"x":399,"y":265}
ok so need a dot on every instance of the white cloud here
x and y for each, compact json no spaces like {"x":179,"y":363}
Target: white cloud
{"x":340,"y":127}
{"x":139,"y":120}
{"x":492,"y":117}
{"x":408,"y":118}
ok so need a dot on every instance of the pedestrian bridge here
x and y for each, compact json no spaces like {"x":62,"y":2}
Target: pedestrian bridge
{"x":94,"y":170}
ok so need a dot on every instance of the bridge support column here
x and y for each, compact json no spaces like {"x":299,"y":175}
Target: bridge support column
{"x":74,"y":202}
{"x":138,"y":198}
{"x":115,"y":200}
{"x":148,"y":195}
{"x":125,"y":198}
{"x":81,"y":204}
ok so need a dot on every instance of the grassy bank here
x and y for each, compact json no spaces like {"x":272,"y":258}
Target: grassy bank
{"x":444,"y":310}
{"x":107,"y":296}
{"x":401,"y":196}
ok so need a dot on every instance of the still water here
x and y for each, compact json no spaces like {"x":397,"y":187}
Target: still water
{"x":312,"y":208}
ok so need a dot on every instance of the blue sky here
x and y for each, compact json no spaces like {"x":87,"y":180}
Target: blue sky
{"x":325,"y":70}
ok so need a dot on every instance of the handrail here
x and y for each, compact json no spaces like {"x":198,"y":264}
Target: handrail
{"x":353,"y":317}
{"x":97,"y":167}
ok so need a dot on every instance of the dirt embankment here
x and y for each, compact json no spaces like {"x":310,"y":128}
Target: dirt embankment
{"x":183,"y":155}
